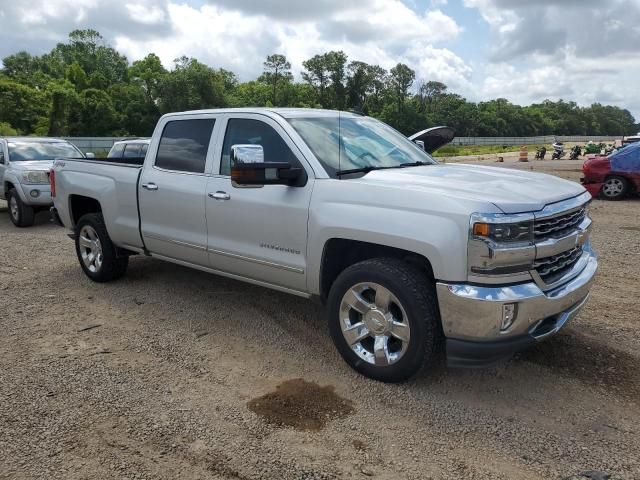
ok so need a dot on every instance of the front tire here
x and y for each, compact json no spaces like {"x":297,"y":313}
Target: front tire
{"x":615,"y":188}
{"x":96,"y":252}
{"x":21,"y":215}
{"x":383,"y":318}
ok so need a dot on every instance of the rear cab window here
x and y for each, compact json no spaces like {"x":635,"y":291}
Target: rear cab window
{"x":132,"y":150}
{"x":116,"y":151}
{"x":184,"y":145}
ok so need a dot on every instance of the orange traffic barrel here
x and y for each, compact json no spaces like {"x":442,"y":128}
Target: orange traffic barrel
{"x":524,"y":154}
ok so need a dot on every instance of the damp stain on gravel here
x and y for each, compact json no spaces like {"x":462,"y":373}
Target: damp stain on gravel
{"x":589,"y":361}
{"x":302,"y":405}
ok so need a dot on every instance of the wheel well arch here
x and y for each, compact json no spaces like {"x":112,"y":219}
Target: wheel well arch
{"x":80,"y":205}
{"x":339,"y":254}
{"x":8,"y":186}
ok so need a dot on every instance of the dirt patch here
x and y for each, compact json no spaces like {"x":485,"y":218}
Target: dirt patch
{"x":359,"y":445}
{"x":590,"y":361}
{"x":301,"y":404}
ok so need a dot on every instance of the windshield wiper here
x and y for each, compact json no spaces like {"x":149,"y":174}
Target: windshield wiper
{"x":413,"y":164}
{"x":361,"y":170}
{"x":371,"y":168}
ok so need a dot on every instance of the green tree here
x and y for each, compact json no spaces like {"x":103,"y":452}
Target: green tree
{"x":276,"y":71}
{"x":94,"y":115}
{"x":191,"y":85}
{"x":400,"y":81}
{"x":7,"y":130}
{"x":21,"y":106}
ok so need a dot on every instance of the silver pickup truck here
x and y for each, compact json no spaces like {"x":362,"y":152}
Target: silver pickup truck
{"x":406,"y":253}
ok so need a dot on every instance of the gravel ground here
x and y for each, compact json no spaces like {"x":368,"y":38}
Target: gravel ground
{"x":165,"y":373}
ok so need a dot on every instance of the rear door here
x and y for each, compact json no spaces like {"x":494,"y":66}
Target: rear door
{"x":172,"y":190}
{"x":258,"y":232}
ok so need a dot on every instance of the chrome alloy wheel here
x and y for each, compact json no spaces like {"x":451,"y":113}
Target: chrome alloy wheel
{"x":613,"y":187}
{"x":90,"y":249}
{"x":13,"y":208}
{"x":374,"y":324}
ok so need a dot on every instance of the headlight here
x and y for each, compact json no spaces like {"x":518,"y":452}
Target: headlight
{"x":500,"y":244}
{"x":35,"y":177}
{"x":502,"y":229}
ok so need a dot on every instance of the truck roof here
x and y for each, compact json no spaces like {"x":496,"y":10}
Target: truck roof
{"x":284,"y":112}
{"x":34,"y":139}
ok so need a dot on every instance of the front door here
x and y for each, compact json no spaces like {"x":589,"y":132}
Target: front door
{"x":172,"y":191}
{"x":260,"y":233}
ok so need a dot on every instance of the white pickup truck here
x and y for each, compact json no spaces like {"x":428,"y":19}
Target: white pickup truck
{"x":407,"y":253}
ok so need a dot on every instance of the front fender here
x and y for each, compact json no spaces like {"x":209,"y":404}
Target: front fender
{"x":441,"y":240}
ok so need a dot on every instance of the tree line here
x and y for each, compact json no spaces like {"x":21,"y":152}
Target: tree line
{"x":84,"y":87}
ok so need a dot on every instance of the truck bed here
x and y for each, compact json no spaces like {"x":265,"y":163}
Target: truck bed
{"x":113,"y":184}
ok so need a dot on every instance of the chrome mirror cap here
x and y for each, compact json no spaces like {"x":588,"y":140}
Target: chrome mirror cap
{"x":247,"y":154}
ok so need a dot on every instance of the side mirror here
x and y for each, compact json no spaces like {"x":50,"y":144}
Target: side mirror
{"x":249,"y":168}
{"x":420,"y":143}
{"x":90,"y":155}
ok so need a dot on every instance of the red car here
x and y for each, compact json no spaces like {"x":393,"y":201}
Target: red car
{"x":615,"y":176}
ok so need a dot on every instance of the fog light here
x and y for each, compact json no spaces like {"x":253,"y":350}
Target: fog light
{"x":35,"y":193}
{"x":509,"y":312}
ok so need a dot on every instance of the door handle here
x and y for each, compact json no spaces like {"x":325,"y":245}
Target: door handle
{"x":220,"y":196}
{"x":150,"y":186}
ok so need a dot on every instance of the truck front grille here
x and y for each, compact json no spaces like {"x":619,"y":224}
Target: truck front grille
{"x":551,"y":269}
{"x":558,"y":225}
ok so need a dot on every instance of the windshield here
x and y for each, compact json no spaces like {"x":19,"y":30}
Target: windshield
{"x":23,"y":151}
{"x":349,"y":143}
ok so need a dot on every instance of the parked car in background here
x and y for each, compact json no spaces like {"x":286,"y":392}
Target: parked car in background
{"x":24,"y":174}
{"x":616,"y":176}
{"x":131,"y":151}
{"x":406,"y":253}
{"x":630,"y":140}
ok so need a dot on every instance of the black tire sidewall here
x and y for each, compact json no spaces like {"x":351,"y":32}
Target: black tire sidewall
{"x":25,"y":212}
{"x":111,"y":265}
{"x":423,"y":325}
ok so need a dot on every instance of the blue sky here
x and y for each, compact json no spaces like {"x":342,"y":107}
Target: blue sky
{"x":522,"y":50}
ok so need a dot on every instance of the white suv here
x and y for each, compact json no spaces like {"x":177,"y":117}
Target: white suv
{"x":24,"y":174}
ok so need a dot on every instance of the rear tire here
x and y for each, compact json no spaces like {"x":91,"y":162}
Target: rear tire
{"x":615,"y":188}
{"x":21,"y":215}
{"x":384,"y":318}
{"x":96,"y":252}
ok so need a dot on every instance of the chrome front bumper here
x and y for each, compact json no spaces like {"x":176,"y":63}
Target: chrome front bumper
{"x":472,"y":315}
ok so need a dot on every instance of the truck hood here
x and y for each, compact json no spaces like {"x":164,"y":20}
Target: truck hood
{"x":32,"y":165}
{"x":512,"y":191}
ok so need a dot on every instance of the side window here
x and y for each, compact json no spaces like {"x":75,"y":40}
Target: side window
{"x":143,"y":150}
{"x":245,"y":131}
{"x":184,"y":145}
{"x":132,"y":150}
{"x":116,"y":151}
{"x":1,"y":154}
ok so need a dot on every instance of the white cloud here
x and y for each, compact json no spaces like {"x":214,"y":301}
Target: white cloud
{"x":239,"y":41}
{"x":585,"y":50}
{"x":539,"y":52}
